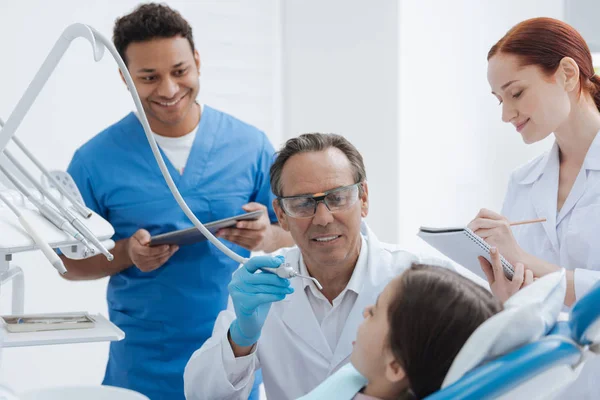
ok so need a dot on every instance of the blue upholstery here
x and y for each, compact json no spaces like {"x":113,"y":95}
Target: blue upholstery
{"x":503,"y":374}
{"x":562,"y":346}
{"x":584,"y":313}
{"x":561,"y":329}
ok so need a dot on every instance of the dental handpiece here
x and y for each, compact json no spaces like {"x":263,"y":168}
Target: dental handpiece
{"x":41,"y":243}
{"x":286,"y":271}
{"x":81,"y":209}
{"x":48,"y":212}
{"x":63,"y":224}
{"x":66,"y":225}
{"x":78,"y":206}
{"x":83,"y":234}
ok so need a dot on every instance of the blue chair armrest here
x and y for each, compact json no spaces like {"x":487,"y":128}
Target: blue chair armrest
{"x":584,"y":313}
{"x":509,"y":371}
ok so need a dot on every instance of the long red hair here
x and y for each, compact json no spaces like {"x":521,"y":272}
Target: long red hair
{"x":545,"y":42}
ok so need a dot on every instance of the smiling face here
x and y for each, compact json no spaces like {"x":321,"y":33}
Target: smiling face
{"x":534,"y":102}
{"x":326,"y":239}
{"x":165,"y":72}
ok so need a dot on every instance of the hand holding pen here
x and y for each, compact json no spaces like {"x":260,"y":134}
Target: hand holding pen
{"x":496,"y":230}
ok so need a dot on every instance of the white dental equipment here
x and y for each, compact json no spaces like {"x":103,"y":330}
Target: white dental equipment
{"x":48,"y":212}
{"x":83,"y":233}
{"x":81,"y":209}
{"x":99,"y":44}
{"x":28,"y":226}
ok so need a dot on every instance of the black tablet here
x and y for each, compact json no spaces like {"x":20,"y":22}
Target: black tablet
{"x":193,"y":235}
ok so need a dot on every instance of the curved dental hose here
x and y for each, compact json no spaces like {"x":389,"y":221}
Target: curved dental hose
{"x":161,"y":162}
{"x":283,"y":271}
{"x":99,"y":44}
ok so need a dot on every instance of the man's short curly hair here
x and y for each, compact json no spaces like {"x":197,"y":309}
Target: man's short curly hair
{"x":147,"y":22}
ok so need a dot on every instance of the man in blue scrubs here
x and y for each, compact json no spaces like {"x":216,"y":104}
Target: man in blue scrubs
{"x":165,"y":298}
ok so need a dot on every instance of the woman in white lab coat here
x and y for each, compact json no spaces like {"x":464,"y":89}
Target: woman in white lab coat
{"x":542,"y":74}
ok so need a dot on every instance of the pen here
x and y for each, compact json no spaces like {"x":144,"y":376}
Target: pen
{"x":528,"y":221}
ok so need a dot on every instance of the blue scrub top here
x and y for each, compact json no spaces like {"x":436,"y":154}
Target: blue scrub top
{"x":168,"y":313}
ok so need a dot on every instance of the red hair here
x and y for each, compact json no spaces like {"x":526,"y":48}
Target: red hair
{"x":545,"y":42}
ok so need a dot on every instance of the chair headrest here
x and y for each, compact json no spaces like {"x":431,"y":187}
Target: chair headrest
{"x":528,"y":315}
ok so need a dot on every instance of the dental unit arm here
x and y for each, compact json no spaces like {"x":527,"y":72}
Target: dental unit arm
{"x":99,"y":44}
{"x":28,"y":225}
{"x":69,"y":222}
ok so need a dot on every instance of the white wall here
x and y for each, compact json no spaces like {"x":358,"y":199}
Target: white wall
{"x":340,"y":75}
{"x":455,"y":154}
{"x":239,"y":45}
{"x":405,"y":81}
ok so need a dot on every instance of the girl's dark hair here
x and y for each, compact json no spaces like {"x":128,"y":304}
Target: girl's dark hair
{"x":150,"y":21}
{"x":433,"y":313}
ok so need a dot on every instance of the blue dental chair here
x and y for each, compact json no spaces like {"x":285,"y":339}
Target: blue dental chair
{"x":520,"y":353}
{"x":546,"y":365}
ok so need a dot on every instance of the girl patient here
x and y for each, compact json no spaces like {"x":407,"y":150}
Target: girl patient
{"x":410,"y":337}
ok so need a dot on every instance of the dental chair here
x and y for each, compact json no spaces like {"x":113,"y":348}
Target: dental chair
{"x":536,"y":370}
{"x":523,"y":352}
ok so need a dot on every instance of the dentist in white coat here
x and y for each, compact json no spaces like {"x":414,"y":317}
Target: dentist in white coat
{"x":320,"y":182}
{"x":541,"y":72}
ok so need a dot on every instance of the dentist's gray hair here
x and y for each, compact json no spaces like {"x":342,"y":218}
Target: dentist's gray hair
{"x":310,"y":142}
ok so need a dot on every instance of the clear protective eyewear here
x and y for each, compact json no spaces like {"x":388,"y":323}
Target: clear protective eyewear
{"x":305,"y":206}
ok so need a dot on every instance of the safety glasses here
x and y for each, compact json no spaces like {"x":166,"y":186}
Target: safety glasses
{"x":305,"y":206}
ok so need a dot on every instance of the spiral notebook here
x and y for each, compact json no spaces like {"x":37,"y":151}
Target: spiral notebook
{"x":463,"y":247}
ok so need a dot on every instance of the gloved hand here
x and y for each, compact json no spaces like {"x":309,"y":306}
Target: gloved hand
{"x":252,"y":294}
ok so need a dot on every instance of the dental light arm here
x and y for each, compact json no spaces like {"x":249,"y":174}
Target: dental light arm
{"x":40,"y":79}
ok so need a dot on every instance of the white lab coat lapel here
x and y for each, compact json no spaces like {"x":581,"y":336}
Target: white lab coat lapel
{"x":299,"y":316}
{"x":591,"y":162}
{"x":575,"y":194}
{"x":544,"y":195}
{"x":376,"y":277}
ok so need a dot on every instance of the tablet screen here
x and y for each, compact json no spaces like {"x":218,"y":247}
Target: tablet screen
{"x":193,"y":235}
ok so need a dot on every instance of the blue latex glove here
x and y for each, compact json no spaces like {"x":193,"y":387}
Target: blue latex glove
{"x":252,"y":294}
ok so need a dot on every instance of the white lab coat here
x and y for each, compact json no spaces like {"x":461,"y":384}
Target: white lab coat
{"x":292,"y":350}
{"x":569,"y":238}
